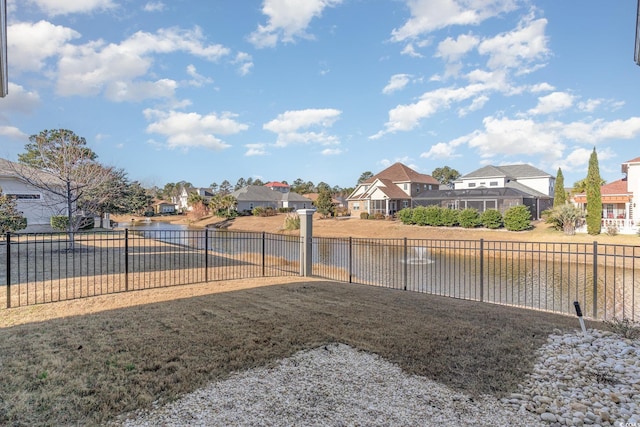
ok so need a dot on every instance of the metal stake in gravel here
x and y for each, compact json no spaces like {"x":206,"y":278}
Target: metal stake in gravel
{"x":579,"y":314}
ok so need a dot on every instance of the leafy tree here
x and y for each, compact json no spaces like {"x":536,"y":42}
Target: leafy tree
{"x":249,"y":181}
{"x":136,"y":199}
{"x":580,"y":186}
{"x":108,"y":196}
{"x":258,"y":181}
{"x":227,"y":205}
{"x":365,"y":176}
{"x":241,"y":183}
{"x":324,"y":203}
{"x":594,"y":198}
{"x":225,"y":188}
{"x":194,"y":198}
{"x":445,"y":175}
{"x":559,"y":195}
{"x":517,"y":218}
{"x":59,"y":163}
{"x":323,"y":186}
{"x":298,"y":186}
{"x":214,"y":187}
{"x":10,"y":218}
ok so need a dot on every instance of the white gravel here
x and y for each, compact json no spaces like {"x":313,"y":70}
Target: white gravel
{"x":337,"y":385}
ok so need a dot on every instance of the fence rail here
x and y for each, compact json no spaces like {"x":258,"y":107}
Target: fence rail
{"x":42,"y":268}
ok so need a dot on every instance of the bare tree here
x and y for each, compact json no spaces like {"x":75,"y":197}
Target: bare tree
{"x":59,"y":163}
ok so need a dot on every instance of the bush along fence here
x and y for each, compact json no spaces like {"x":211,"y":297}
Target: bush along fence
{"x":604,"y":279}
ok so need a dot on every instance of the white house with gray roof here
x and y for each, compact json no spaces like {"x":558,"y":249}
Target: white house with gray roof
{"x":522,"y":177}
{"x":253,"y":196}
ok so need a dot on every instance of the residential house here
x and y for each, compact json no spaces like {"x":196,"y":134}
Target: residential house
{"x":183,"y":199}
{"x":619,"y":199}
{"x":162,"y":207}
{"x":253,"y":196}
{"x":36,"y":205}
{"x":278,"y":186}
{"x":389,"y":191}
{"x":498,"y":187}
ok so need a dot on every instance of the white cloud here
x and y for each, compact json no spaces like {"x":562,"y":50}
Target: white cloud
{"x":396,"y":82}
{"x":431,"y":15}
{"x":154,"y":6}
{"x":256,"y":150}
{"x":88,"y":69}
{"x":287,"y":20}
{"x":601,"y":130}
{"x":197,"y":79}
{"x":407,"y":117}
{"x":517,"y":49}
{"x":554,"y":102}
{"x":541,"y":87}
{"x":476,"y":104}
{"x":65,"y":7}
{"x":441,"y":150}
{"x":451,"y":50}
{"x":293,"y":127}
{"x":136,"y":90}
{"x":13,"y":133}
{"x":30,"y":44}
{"x":331,"y":151}
{"x":244,"y":62}
{"x":186,"y":130}
{"x":19,"y":100}
{"x":590,"y":105}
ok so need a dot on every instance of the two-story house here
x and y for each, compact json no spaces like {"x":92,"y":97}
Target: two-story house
{"x":389,"y":191}
{"x":619,"y":199}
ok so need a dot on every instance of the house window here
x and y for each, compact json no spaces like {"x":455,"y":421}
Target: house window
{"x":609,"y":208}
{"x":405,"y":186}
{"x":472,"y":184}
{"x":405,"y":204}
{"x":417,"y":189}
{"x":356,"y":206}
{"x":25,"y":196}
{"x":493,"y":184}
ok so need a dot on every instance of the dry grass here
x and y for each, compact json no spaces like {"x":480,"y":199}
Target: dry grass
{"x":87,"y":368}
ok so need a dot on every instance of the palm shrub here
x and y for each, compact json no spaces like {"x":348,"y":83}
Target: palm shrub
{"x":406,"y":216}
{"x":517,"y":218}
{"x":449,"y":217}
{"x":469,"y":218}
{"x":491,"y":218}
{"x":292,"y":221}
{"x":565,"y":217}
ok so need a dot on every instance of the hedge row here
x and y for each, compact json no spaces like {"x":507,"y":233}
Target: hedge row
{"x":516,"y":218}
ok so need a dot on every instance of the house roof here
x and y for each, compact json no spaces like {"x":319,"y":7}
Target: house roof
{"x":626,"y":164}
{"x":11,"y":169}
{"x":480,"y":193}
{"x":615,"y":187}
{"x":507,"y":171}
{"x":276,"y":184}
{"x":398,"y":172}
{"x":260,"y":193}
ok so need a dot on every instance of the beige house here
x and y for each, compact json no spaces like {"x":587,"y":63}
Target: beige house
{"x":619,"y":200}
{"x":390,"y":191}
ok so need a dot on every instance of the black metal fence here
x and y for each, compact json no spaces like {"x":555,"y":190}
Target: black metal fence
{"x":50,"y":267}
{"x":43,"y":268}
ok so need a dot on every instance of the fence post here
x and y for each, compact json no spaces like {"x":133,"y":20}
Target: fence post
{"x":8,"y":239}
{"x":263,"y":252}
{"x":206,"y":254}
{"x":350,"y":266}
{"x":404,"y":272}
{"x":595,"y":280}
{"x":126,"y":259}
{"x":306,"y":238}
{"x":481,"y":270}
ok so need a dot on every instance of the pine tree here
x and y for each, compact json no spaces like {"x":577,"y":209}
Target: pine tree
{"x":559,"y":195}
{"x":594,"y":199}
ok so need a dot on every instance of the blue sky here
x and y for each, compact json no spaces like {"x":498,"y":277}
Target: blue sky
{"x":324,"y":90}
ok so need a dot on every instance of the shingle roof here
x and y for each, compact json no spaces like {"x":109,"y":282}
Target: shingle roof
{"x":260,"y":193}
{"x":509,"y":171}
{"x":398,"y":172}
{"x":615,"y":187}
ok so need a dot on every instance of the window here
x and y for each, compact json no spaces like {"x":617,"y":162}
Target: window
{"x":356,"y":206}
{"x":405,"y":186}
{"x":472,"y":184}
{"x":417,"y":189}
{"x":493,"y":184}
{"x":25,"y":196}
{"x":405,"y":204}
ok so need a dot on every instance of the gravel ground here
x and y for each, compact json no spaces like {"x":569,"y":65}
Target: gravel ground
{"x":337,"y":385}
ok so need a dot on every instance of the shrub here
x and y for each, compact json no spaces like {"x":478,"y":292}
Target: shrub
{"x":469,"y":218}
{"x":491,"y":218}
{"x":419,"y":216}
{"x":59,"y":222}
{"x":517,"y":218}
{"x":285,"y":210}
{"x":612,"y":229}
{"x":406,"y":216}
{"x":626,"y":327}
{"x":263,"y":211}
{"x":564,"y":217}
{"x":364,"y":215}
{"x":292,"y":221}
{"x":378,"y":215}
{"x":449,"y":217}
{"x":433,"y":215}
